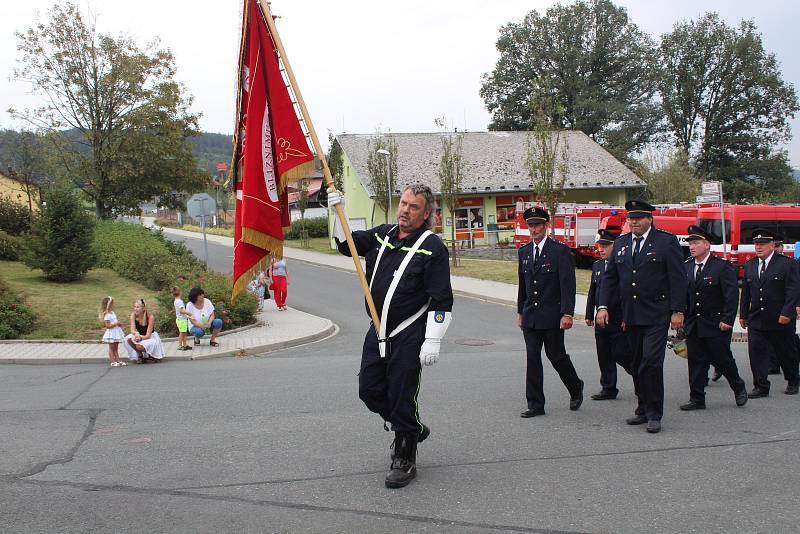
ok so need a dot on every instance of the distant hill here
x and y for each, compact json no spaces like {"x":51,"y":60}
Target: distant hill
{"x":212,"y":148}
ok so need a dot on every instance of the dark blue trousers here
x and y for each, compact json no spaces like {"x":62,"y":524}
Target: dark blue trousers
{"x":648,"y":344}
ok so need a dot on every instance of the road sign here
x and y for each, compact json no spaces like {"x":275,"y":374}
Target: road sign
{"x":705,"y":199}
{"x":710,"y":188}
{"x":200,"y":206}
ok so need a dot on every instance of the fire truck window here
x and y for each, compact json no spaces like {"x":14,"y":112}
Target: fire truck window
{"x":714,"y":226}
{"x":790,"y":230}
{"x":746,"y":229}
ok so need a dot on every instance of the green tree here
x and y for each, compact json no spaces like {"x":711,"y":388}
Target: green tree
{"x":335,"y":161}
{"x":60,"y":243}
{"x":123,"y":122}
{"x":380,"y":170}
{"x":586,"y":66}
{"x":547,"y":162}
{"x":451,"y":176}
{"x":670,"y":178}
{"x":726,"y":102}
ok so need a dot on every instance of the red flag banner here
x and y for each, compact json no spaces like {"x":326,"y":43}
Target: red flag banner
{"x":270,"y":148}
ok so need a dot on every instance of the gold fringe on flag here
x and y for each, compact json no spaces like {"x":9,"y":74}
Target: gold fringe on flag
{"x":263,"y":241}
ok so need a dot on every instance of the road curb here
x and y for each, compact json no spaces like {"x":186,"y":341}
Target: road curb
{"x":328,"y":330}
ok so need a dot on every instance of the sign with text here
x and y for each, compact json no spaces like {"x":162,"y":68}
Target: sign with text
{"x":710,"y":188}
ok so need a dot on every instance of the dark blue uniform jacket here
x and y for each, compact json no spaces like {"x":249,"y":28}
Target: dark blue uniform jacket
{"x":713,"y":300}
{"x":776,"y":293}
{"x":427,"y":276}
{"x":614,"y":308}
{"x":653,"y":286}
{"x":546,"y":289}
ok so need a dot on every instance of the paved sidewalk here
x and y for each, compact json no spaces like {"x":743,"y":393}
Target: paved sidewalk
{"x":276,"y":330}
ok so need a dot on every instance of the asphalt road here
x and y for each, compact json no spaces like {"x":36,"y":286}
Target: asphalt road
{"x":281,"y":443}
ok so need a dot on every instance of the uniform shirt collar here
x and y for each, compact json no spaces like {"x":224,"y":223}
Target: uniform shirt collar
{"x":644,"y":236}
{"x":705,"y":260}
{"x":541,"y":243}
{"x":767,"y":260}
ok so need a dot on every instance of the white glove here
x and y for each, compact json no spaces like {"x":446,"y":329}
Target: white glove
{"x":435,"y":328}
{"x":335,"y":197}
{"x":429,"y":353}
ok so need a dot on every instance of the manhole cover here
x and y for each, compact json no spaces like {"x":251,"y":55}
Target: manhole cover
{"x":474,"y":342}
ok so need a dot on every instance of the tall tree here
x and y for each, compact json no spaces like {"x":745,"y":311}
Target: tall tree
{"x":451,"y":176}
{"x":124,"y":121}
{"x":547,"y":162}
{"x":726,"y":102}
{"x":670,"y":177}
{"x":587,"y":66}
{"x":381,"y":168}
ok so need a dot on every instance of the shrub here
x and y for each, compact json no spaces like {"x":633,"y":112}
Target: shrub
{"x":16,"y":317}
{"x":15,"y":218}
{"x":166,"y":223}
{"x":315,"y":226}
{"x":60,"y":243}
{"x":149,"y":258}
{"x":10,"y":247}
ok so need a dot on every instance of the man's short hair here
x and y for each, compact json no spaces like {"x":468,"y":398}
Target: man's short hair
{"x":430,"y":202}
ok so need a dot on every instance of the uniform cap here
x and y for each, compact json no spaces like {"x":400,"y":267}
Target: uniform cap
{"x":695,"y":233}
{"x":638,"y":209}
{"x":762,"y":235}
{"x":604,"y":237}
{"x":536,"y":215}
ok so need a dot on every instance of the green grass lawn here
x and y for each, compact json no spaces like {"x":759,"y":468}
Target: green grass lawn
{"x":69,"y":311}
{"x":506,"y":271}
{"x":317,"y":244}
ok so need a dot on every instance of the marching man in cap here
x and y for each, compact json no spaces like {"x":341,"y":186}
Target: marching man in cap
{"x":646,"y":270}
{"x":409,"y":273}
{"x":545,"y":305}
{"x":612,"y":345}
{"x":770,"y":291}
{"x":713,"y":297}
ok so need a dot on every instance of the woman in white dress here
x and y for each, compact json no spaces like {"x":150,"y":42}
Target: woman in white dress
{"x":143,"y":343}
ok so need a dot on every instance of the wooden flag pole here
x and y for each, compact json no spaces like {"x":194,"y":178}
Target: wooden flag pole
{"x":325,"y":170}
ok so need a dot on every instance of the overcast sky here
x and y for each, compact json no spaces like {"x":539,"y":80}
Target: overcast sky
{"x":364,"y":65}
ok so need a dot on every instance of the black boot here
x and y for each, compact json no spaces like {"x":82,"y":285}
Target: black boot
{"x":404,"y":458}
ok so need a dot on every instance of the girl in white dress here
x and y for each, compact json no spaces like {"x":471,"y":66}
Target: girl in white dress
{"x":114,"y":335}
{"x":143,"y":343}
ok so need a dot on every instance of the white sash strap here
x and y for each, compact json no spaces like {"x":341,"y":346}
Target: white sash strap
{"x":380,"y":255}
{"x":390,"y":293}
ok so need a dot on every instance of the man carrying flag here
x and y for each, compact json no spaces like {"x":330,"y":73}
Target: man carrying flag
{"x":409,"y":274}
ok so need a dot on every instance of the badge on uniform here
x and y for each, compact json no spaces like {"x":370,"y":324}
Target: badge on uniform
{"x":438,"y":317}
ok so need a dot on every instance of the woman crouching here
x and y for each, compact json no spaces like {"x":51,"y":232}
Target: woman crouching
{"x":143,"y":343}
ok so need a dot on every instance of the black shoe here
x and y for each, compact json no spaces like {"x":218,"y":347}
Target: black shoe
{"x":637,"y":419}
{"x":693,"y":405}
{"x":402,"y":472}
{"x":741,"y":396}
{"x":758,"y":393}
{"x":404,"y":456}
{"x":775,"y":371}
{"x":604,"y":395}
{"x":576,"y":400}
{"x":653,"y":427}
{"x":426,"y":431}
{"x":717,"y":375}
{"x":532,"y":412}
{"x":791,"y":389}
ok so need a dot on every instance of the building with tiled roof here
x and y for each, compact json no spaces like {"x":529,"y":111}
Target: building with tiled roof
{"x":495,"y":175}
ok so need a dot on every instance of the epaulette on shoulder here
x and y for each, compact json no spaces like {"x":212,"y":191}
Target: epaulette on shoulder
{"x":621,"y":236}
{"x":689,"y":259}
{"x":525,"y":245}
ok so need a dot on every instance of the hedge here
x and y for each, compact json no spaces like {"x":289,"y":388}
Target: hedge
{"x":149,"y":258}
{"x":10,"y":247}
{"x":315,"y":226}
{"x":16,"y":317}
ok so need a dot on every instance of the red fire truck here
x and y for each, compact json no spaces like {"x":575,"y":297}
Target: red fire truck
{"x":576,"y":225}
{"x":741,"y":220}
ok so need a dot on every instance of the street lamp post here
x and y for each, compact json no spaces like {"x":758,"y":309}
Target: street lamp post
{"x":384,"y":152}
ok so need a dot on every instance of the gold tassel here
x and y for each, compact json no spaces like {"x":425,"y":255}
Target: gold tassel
{"x":263,"y":241}
{"x":304,"y":170}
